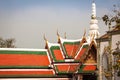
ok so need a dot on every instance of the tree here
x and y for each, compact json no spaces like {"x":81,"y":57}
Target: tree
{"x":114,"y":18}
{"x":7,"y":43}
{"x":116,"y":54}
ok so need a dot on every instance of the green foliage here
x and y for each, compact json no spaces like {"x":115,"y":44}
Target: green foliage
{"x":7,"y":43}
{"x":117,"y":65}
{"x":108,"y":19}
{"x":116,"y":54}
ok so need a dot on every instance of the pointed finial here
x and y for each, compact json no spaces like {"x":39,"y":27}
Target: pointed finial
{"x":84,"y":33}
{"x":45,"y":38}
{"x":93,"y":1}
{"x":46,"y":41}
{"x":93,"y":16}
{"x":58,"y":37}
{"x":57,"y":33}
{"x":65,"y":35}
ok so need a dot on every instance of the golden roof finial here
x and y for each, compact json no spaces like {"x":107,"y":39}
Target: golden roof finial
{"x":58,"y":37}
{"x":84,"y":33}
{"x":58,"y":34}
{"x":65,"y":35}
{"x":45,"y":39}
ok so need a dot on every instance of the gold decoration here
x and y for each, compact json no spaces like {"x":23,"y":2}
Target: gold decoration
{"x":65,"y":35}
{"x":84,"y":33}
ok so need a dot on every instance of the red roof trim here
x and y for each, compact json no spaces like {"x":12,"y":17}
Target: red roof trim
{"x":26,"y":72}
{"x":89,"y":68}
{"x":23,"y":60}
{"x":66,"y":68}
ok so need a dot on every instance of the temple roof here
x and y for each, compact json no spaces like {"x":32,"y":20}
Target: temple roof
{"x":70,"y":47}
{"x":105,"y":37}
{"x":87,"y":69}
{"x":18,"y":58}
{"x":65,"y":57}
{"x":116,"y":28}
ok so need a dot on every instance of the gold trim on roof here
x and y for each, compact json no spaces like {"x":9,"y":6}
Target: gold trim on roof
{"x":46,"y":41}
{"x":84,"y":33}
{"x":58,"y":34}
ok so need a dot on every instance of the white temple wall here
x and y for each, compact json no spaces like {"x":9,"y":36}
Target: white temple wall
{"x":115,"y":39}
{"x":102,"y":45}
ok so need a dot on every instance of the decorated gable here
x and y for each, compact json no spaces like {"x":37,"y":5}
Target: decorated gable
{"x":89,"y":61}
{"x":70,"y":47}
{"x":60,"y":64}
{"x":82,"y":52}
{"x":91,"y":56}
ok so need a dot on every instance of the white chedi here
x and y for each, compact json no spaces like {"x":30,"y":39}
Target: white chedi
{"x":93,"y":23}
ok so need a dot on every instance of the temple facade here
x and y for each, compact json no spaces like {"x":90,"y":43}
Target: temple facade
{"x":69,"y":59}
{"x":108,"y":49}
{"x":66,"y":59}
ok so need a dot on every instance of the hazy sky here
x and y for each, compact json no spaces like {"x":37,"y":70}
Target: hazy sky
{"x":28,"y":20}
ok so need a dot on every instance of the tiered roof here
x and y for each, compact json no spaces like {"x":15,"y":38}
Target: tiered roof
{"x":63,"y":58}
{"x":70,"y":47}
{"x":25,"y":63}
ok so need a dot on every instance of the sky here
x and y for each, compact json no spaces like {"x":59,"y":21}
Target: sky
{"x":28,"y":20}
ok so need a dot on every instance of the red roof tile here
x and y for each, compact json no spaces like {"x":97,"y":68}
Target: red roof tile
{"x":26,"y":72}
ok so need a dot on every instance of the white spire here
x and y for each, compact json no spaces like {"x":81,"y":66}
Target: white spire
{"x":93,"y":23}
{"x":93,"y":10}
